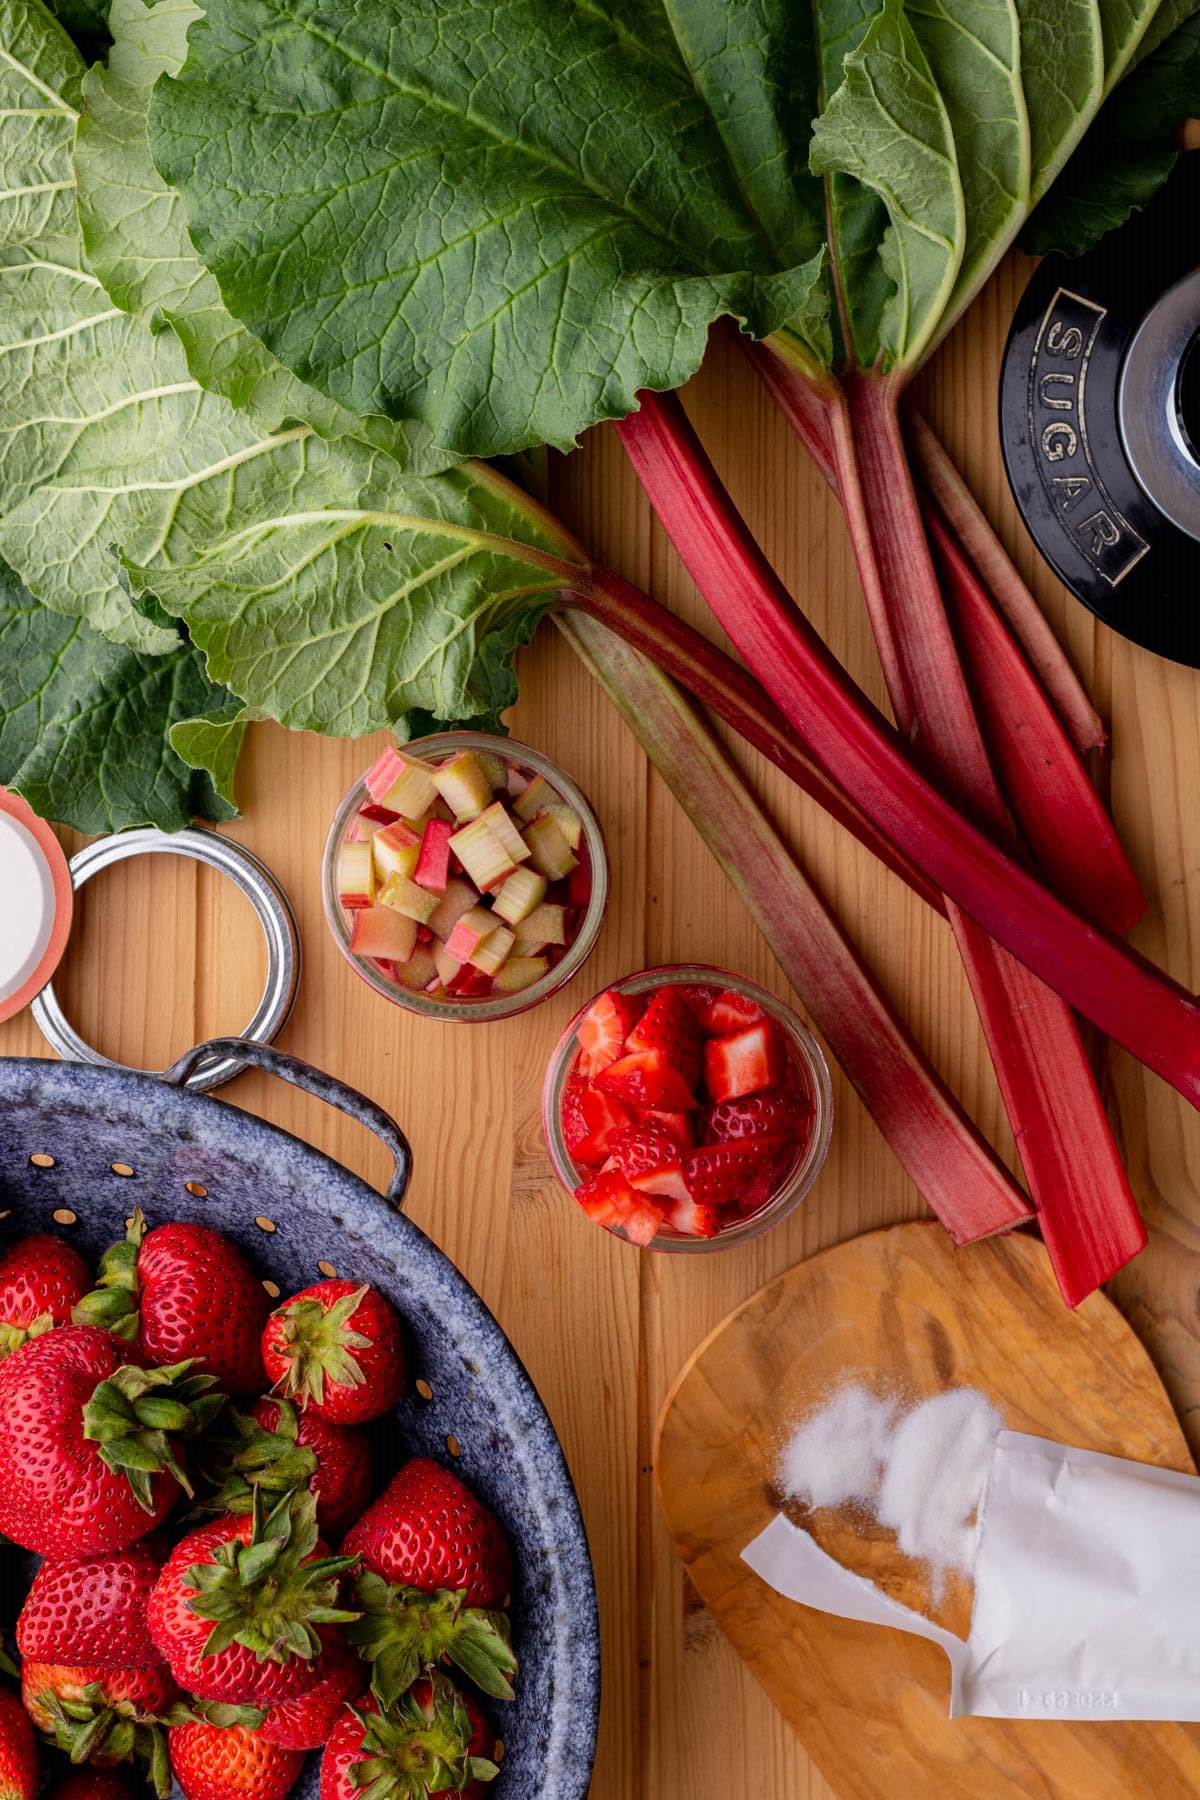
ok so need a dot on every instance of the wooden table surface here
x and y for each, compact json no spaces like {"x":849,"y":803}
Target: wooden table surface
{"x":163,"y":956}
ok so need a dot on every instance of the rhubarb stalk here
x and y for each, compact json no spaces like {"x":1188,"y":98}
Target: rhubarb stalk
{"x":951,"y":1165}
{"x":1085,"y":1206}
{"x":1035,"y":746}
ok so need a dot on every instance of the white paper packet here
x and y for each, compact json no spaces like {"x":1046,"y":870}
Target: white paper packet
{"x":1087,"y":1589}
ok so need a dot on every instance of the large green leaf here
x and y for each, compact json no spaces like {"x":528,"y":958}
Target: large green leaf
{"x":84,"y":724}
{"x":136,"y":242}
{"x":337,"y":596}
{"x":1127,"y":154}
{"x":501,"y":218}
{"x":40,"y":76}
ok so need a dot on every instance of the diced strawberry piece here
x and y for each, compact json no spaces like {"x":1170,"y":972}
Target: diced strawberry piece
{"x":433,"y":864}
{"x":647,"y":1082}
{"x":642,"y":1221}
{"x":668,"y":1024}
{"x":680,"y":1125}
{"x":579,"y":881}
{"x":470,"y":983}
{"x":720,"y":1175}
{"x":691,"y":1219}
{"x":648,"y":1157}
{"x":699,"y":999}
{"x":730,"y":1012}
{"x":606,"y":1197}
{"x":745,"y":1062}
{"x":603,"y":1030}
{"x":777,"y":1112}
{"x":591,"y":1119}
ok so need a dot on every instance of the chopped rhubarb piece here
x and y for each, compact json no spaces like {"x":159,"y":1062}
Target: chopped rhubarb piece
{"x":382,"y":933}
{"x":680,"y":1126}
{"x":356,"y":831}
{"x":470,"y":931}
{"x":745,"y":1062}
{"x":690,"y":1219}
{"x":407,"y":898}
{"x":568,"y":822}
{"x":395,"y":848}
{"x":355,"y":876}
{"x":418,"y":971}
{"x":647,"y":1081}
{"x":729,"y":1012}
{"x":464,"y":785}
{"x":778,"y":1112}
{"x":534,"y":798}
{"x":724,"y":1175}
{"x":603,"y":1029}
{"x":482,"y":854}
{"x":458,"y":899}
{"x":410,"y":791}
{"x":433,"y":860}
{"x":471,"y":984}
{"x":493,"y":951}
{"x":520,"y":972}
{"x":549,"y":850}
{"x":447,"y":966}
{"x":546,"y":924}
{"x":668,"y":1024}
{"x":495,"y":768}
{"x":591,"y":1118}
{"x":521,"y":895}
{"x":378,"y":815}
{"x":579,"y":882}
{"x":497,"y":819}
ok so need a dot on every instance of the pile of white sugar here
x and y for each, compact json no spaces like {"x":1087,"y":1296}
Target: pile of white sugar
{"x":918,"y":1470}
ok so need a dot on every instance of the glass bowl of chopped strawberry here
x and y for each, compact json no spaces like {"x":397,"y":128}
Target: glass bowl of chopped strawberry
{"x":687,"y":1109}
{"x":465,"y":876}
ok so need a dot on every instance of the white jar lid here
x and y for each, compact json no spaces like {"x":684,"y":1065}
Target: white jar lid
{"x":36,"y":903}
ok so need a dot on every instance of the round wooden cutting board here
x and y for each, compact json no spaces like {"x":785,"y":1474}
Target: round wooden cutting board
{"x":907,"y":1313}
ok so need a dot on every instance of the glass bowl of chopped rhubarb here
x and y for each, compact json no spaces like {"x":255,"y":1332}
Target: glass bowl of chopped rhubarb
{"x":465,"y":876}
{"x":687,"y":1109}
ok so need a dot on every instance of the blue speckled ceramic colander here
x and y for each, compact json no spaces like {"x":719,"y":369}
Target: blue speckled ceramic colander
{"x":88,"y":1144}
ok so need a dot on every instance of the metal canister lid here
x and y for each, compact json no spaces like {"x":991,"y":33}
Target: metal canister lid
{"x":36,"y":903}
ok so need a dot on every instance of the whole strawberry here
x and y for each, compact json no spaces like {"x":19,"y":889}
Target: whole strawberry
{"x":92,"y":1677}
{"x":91,"y":1784}
{"x":89,"y":1445}
{"x":41,"y":1279}
{"x":277,"y":1450}
{"x":434,"y":1745}
{"x":183,"y":1291}
{"x":337,"y":1350}
{"x":306,"y":1722}
{"x":244,"y":1607}
{"x":92,"y":1609}
{"x":426,"y":1530}
{"x":18,"y":1751}
{"x":231,"y":1762}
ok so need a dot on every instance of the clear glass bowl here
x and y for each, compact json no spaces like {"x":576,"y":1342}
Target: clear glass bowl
{"x":496,"y":1006}
{"x":810,"y":1069}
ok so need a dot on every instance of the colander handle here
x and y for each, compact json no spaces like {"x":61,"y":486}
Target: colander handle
{"x":313,"y":1081}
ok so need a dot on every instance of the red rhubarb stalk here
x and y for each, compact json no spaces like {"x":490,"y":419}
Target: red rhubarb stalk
{"x":1085,"y":1206}
{"x":1118,"y":990}
{"x":948,"y":496}
{"x":945,"y":497}
{"x":1046,"y":785}
{"x":956,"y":1171}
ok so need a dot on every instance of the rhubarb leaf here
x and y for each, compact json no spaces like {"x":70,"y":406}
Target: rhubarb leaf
{"x":561,"y":209}
{"x":136,"y":242}
{"x":339,"y":596}
{"x":213,"y":745}
{"x":85,"y":724}
{"x":40,"y":91}
{"x":887,"y":127}
{"x":1127,"y":154}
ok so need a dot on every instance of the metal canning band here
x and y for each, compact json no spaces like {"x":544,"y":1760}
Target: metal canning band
{"x":274,"y":913}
